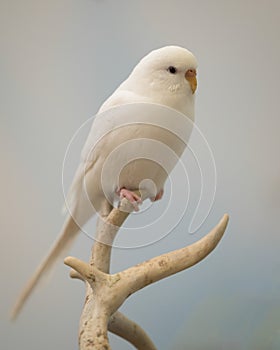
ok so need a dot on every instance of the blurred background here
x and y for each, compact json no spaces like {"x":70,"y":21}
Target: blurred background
{"x":59,"y":61}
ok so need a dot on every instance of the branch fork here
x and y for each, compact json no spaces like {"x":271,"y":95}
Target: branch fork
{"x":107,"y":292}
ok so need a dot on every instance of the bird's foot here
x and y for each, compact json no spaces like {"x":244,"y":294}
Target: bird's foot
{"x":158,"y":196}
{"x":132,"y":197}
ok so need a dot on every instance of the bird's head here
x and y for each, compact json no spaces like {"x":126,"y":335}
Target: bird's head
{"x":166,"y":71}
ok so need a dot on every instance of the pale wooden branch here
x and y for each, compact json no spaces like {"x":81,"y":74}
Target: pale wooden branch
{"x":141,"y":275}
{"x":121,"y":325}
{"x":88,"y":272}
{"x":114,"y":289}
{"x":107,"y":229}
{"x":130,"y":331}
{"x":75,"y":275}
{"x":106,"y":293}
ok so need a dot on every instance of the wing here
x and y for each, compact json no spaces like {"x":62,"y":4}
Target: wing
{"x":102,"y":124}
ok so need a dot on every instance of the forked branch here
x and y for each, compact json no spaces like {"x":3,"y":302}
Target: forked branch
{"x":107,"y":292}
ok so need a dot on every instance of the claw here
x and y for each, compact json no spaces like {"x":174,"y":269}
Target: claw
{"x":158,"y":196}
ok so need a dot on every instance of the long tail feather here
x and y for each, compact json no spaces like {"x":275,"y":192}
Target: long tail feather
{"x":59,"y":249}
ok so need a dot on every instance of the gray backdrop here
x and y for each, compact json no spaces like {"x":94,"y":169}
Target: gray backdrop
{"x":60,"y":60}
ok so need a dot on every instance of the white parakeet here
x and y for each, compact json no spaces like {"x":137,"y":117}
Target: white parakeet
{"x":167,"y":77}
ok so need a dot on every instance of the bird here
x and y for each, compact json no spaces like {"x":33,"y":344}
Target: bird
{"x":164,"y":78}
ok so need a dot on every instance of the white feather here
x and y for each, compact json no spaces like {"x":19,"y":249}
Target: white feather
{"x":149,"y":82}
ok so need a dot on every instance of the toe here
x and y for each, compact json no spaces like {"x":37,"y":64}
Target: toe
{"x":132,"y":197}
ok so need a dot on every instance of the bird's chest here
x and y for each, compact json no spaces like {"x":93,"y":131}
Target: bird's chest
{"x":140,"y":142}
{"x":140,"y":155}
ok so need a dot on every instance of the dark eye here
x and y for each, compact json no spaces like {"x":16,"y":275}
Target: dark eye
{"x":172,"y":70}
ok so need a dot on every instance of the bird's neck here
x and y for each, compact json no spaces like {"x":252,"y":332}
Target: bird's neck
{"x":178,"y":99}
{"x":181,"y":102}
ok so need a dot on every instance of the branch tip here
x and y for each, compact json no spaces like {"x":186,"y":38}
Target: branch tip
{"x":76,"y":275}
{"x":81,"y":267}
{"x":155,"y":269}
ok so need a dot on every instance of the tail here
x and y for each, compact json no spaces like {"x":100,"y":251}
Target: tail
{"x":60,"y":247}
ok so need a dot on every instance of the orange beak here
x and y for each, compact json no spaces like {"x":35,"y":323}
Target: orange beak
{"x":191,"y":78}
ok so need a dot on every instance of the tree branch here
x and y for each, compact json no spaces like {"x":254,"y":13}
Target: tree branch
{"x":165,"y":265}
{"x":107,"y":229}
{"x":106,"y":293}
{"x":130,"y":331}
